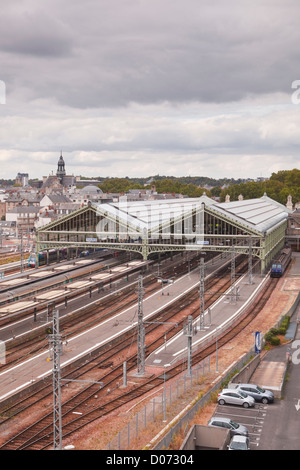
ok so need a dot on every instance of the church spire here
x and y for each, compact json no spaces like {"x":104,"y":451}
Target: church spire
{"x":61,"y":172}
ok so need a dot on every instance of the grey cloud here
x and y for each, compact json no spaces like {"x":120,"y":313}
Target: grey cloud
{"x":182,"y":85}
{"x":113,"y":53}
{"x":34,"y":31}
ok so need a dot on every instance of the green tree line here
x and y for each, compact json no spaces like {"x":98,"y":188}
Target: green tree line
{"x":168,"y":185}
{"x":278,"y":187}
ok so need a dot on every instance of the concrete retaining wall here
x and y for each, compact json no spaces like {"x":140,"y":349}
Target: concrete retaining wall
{"x":201,"y":437}
{"x":246,"y":373}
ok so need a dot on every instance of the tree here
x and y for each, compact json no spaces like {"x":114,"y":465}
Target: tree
{"x":278,"y":187}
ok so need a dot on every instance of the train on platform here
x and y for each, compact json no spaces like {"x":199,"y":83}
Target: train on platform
{"x":55,"y":256}
{"x":57,"y":280}
{"x":280,"y":265}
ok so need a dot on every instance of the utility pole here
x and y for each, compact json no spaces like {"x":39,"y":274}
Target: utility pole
{"x":22,"y":251}
{"x":158,"y":269}
{"x":216,"y":349}
{"x":164,"y":394}
{"x":233,"y":296}
{"x":201,"y":291}
{"x":55,"y":340}
{"x":189,"y":332}
{"x":250,"y":274}
{"x":141,"y":330}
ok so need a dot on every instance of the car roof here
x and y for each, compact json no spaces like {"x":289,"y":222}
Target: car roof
{"x":239,"y":438}
{"x":246,"y":385}
{"x":221,"y":418}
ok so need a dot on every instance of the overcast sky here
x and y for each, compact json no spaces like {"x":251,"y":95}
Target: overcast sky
{"x":145,"y":87}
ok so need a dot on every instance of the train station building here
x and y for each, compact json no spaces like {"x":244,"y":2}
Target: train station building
{"x":254,"y":227}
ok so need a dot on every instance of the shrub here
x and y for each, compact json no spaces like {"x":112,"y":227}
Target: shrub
{"x":273,"y":331}
{"x":275,"y":341}
{"x":285,"y":322}
{"x":268,"y":336}
{"x":271,"y":335}
{"x":281,"y":331}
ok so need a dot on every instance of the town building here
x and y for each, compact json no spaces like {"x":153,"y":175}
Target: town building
{"x":293,"y":229}
{"x":24,"y":218}
{"x":22,"y":179}
{"x":58,"y":183}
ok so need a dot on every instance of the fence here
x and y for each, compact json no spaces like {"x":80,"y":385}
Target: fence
{"x":162,"y":408}
{"x":183,"y":421}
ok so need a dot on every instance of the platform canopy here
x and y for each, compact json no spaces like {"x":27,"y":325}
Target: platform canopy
{"x":181,"y":224}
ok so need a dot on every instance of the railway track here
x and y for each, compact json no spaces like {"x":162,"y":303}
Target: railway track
{"x":103,"y":350}
{"x":39,"y":435}
{"x":86,"y":318}
{"x":31,"y":286}
{"x":36,"y":340}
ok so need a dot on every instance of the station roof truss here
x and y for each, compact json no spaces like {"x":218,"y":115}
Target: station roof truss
{"x":187,"y":224}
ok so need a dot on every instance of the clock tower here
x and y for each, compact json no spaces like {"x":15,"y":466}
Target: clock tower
{"x":61,"y":172}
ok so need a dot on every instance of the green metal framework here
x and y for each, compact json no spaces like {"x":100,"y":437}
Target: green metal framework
{"x":95,"y":226}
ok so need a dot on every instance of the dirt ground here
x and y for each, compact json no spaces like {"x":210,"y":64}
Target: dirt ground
{"x":97,"y":435}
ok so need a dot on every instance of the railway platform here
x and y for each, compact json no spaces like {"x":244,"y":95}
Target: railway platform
{"x":65,"y":279}
{"x":217,"y":318}
{"x":271,"y":371}
{"x":223,"y":311}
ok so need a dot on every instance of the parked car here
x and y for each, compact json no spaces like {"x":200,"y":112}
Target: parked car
{"x":235,"y":397}
{"x":258,"y":393}
{"x":239,"y":443}
{"x":235,"y":428}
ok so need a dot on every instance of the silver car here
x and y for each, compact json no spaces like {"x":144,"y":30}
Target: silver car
{"x":227,"y":423}
{"x":239,"y":443}
{"x":258,"y":393}
{"x":231,"y":396}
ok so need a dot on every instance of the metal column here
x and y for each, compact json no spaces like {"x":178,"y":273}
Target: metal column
{"x":22,"y":253}
{"x":188,"y":331}
{"x":55,"y":339}
{"x":233,"y":294}
{"x":250,"y":273}
{"x":141,"y":331}
{"x":202,"y":292}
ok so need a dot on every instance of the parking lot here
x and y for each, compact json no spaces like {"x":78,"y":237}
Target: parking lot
{"x":252,"y":418}
{"x":274,"y":426}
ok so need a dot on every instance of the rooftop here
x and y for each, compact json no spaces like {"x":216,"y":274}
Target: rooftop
{"x":261,"y":214}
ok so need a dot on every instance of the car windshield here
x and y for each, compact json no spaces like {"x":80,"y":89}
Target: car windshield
{"x":234,"y":424}
{"x":261,"y":390}
{"x":243,"y":394}
{"x":238,"y":445}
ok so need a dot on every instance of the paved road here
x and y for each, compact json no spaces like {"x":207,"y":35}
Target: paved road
{"x":282,"y":421}
{"x":274,"y":426}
